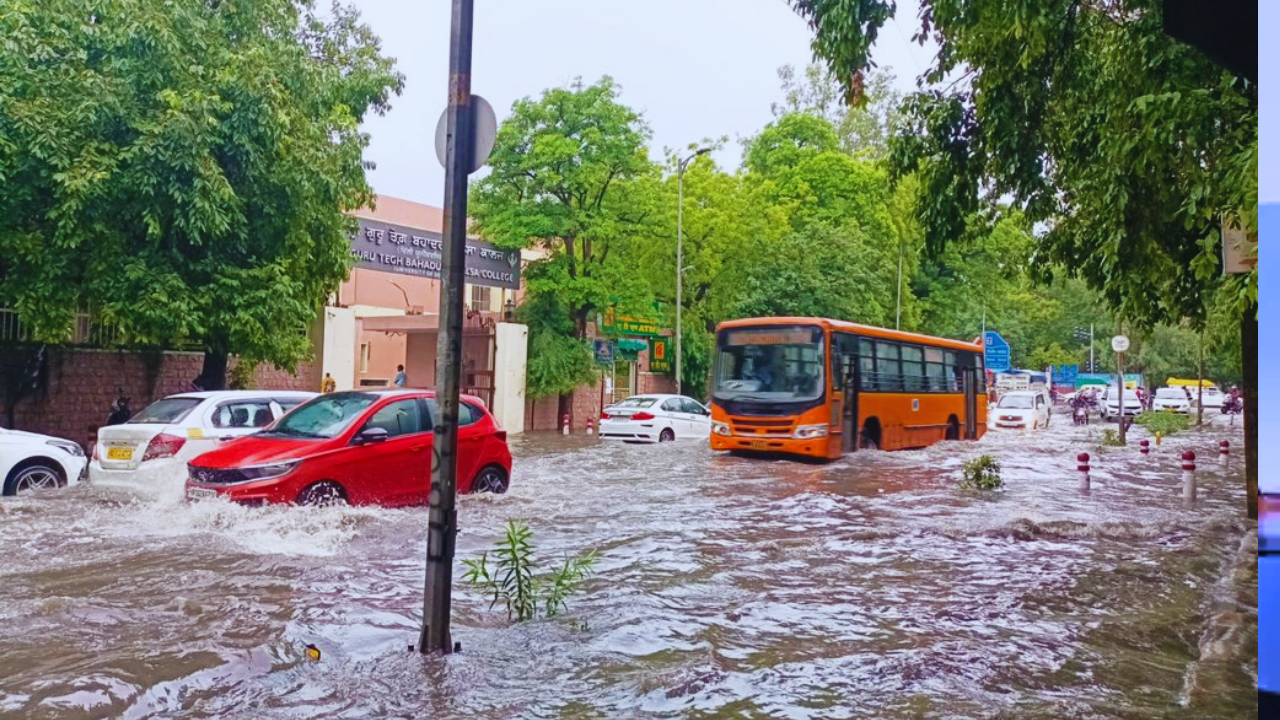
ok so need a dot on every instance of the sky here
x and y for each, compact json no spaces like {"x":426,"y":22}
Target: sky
{"x":695,"y":69}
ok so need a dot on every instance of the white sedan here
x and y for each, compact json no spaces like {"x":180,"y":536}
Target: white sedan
{"x":29,"y":461}
{"x":148,"y":454}
{"x":655,"y":418}
{"x":1172,"y":399}
{"x":1026,"y":409}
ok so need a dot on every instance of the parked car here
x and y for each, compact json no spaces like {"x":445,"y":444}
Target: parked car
{"x":655,"y":418}
{"x":1027,"y":409}
{"x":1172,"y":399}
{"x":369,"y":447}
{"x":1110,"y":403}
{"x":29,"y":461}
{"x":149,"y":453}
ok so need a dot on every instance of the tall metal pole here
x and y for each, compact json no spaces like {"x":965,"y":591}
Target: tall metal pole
{"x":442,"y":524}
{"x":897,"y":324}
{"x":679,"y":274}
{"x":1092,"y":367}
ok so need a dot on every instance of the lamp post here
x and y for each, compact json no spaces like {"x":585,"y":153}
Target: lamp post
{"x":680,"y":260}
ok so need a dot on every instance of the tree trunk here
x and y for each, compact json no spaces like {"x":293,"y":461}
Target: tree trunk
{"x":213,"y":374}
{"x":1249,"y":349}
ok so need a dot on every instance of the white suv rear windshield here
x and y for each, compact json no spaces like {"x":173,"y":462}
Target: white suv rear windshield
{"x":166,"y":411}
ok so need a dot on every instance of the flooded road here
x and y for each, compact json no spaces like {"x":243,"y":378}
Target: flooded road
{"x":727,"y":588}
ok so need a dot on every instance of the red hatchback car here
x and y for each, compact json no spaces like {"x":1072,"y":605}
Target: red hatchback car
{"x":362,"y":447}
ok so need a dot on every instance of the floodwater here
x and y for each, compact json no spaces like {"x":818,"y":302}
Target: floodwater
{"x":726,"y":588}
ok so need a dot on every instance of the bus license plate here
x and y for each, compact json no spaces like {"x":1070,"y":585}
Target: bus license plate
{"x":759,"y":445}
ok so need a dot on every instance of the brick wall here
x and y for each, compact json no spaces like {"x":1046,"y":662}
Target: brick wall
{"x":81,"y":385}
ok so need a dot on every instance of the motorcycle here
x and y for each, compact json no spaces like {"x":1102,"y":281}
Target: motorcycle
{"x":1080,"y":413}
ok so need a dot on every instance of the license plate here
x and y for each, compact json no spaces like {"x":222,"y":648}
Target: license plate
{"x":200,"y":493}
{"x":119,"y":453}
{"x":759,"y":445}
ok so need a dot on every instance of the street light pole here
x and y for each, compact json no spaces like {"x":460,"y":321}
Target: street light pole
{"x":680,"y":264}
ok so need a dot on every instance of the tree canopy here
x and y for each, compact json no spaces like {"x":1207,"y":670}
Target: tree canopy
{"x":183,"y":170}
{"x":1081,"y":115}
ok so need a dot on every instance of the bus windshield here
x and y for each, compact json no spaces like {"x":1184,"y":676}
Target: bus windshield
{"x":770,"y":364}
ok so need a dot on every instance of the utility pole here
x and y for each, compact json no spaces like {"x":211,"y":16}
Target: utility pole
{"x":442,"y":523}
{"x":897,"y":324}
{"x":680,"y":262}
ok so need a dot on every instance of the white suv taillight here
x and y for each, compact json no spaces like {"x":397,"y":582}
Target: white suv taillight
{"x":162,"y":446}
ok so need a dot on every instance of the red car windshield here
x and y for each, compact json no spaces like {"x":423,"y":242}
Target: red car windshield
{"x":324,"y":417}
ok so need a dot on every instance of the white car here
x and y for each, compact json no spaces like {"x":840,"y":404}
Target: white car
{"x":1109,"y":403}
{"x":655,"y":418}
{"x":1213,"y":399}
{"x":1026,"y":409}
{"x":29,"y":461}
{"x":1172,"y":399}
{"x":149,"y":453}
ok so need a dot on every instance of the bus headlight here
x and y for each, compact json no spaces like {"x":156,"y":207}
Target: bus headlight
{"x":720,"y":428}
{"x":810,"y":431}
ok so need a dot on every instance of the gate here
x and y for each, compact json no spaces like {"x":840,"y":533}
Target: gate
{"x":479,"y":348}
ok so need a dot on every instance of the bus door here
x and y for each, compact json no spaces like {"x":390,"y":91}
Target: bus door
{"x":852,"y":382}
{"x":970,"y":402}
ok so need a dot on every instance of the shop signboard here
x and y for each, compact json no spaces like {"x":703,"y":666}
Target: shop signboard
{"x":659,"y":358}
{"x":996,"y":350}
{"x":616,"y":324}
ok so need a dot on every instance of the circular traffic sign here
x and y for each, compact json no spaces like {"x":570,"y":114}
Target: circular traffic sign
{"x":1119,"y":343}
{"x":484,"y":131}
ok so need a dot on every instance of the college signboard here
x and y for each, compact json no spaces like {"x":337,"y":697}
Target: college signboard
{"x":996,"y":351}
{"x":395,"y":248}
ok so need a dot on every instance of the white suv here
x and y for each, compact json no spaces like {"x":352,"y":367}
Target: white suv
{"x":149,"y":453}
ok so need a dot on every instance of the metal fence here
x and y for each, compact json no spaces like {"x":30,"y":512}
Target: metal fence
{"x":86,"y":331}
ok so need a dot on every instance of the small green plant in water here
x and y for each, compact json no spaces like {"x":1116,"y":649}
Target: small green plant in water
{"x":1164,"y":423}
{"x":1110,"y":438}
{"x":513,"y":578}
{"x":982,"y":473}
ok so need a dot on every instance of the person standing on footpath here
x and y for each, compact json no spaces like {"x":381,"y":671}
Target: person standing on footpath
{"x":401,"y":378}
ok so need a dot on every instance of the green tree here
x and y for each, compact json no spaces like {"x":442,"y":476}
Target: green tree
{"x":863,"y":129}
{"x":183,"y":169}
{"x":570,"y":174}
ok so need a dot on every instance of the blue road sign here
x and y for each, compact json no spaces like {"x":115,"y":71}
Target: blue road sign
{"x":997,"y":351}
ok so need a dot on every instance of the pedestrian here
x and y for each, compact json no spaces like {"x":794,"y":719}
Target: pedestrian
{"x":328,"y":385}
{"x":401,"y":378}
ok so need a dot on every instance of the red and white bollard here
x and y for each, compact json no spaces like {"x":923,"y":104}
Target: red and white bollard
{"x":591,"y":426}
{"x":566,"y":423}
{"x":1144,"y":447}
{"x":1224,"y":450}
{"x":1082,"y":467}
{"x":1189,"y":475}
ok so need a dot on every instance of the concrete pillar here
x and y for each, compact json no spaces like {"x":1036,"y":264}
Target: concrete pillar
{"x":509,"y":365}
{"x":336,"y":350}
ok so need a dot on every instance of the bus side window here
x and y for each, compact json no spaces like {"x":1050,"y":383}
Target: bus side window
{"x":952,"y":371}
{"x":889,"y":365}
{"x":936,"y":371}
{"x":867,"y":357}
{"x":913,"y":368}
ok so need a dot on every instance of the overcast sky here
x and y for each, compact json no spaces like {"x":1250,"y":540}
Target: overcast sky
{"x":696,"y":69}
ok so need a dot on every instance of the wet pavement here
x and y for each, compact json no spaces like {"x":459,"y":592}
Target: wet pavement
{"x":727,"y":588}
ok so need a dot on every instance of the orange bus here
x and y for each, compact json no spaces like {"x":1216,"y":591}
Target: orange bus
{"x":822,"y":388}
